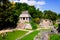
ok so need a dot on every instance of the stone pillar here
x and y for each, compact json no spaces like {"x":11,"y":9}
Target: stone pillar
{"x":25,"y":18}
{"x":28,"y":19}
{"x":22,"y":18}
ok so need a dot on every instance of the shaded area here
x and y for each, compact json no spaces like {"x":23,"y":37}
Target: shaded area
{"x":58,"y":28}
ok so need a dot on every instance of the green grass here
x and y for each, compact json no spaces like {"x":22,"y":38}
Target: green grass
{"x":13,"y":35}
{"x":0,"y":37}
{"x":31,"y":35}
{"x":55,"y":37}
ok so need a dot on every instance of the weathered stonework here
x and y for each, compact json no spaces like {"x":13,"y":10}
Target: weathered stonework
{"x":23,"y":18}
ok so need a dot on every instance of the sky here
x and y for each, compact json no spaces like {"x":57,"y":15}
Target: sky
{"x":53,"y":5}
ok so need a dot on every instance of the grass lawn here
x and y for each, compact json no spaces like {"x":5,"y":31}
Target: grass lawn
{"x":31,"y":35}
{"x":13,"y":35}
{"x":55,"y":37}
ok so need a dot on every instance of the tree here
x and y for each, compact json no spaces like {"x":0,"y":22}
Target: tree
{"x":39,"y":13}
{"x":48,"y":14}
{"x":58,"y":16}
{"x":36,"y":20}
{"x":32,"y":11}
{"x":7,"y":16}
{"x":3,"y":15}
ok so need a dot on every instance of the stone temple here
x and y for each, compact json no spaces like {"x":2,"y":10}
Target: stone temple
{"x":24,"y":20}
{"x":24,"y":17}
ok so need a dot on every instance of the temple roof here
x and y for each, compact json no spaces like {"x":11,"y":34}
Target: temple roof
{"x":25,"y":14}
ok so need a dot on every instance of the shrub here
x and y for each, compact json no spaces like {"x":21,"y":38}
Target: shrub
{"x":36,"y":20}
{"x":56,"y":25}
{"x":34,"y":25}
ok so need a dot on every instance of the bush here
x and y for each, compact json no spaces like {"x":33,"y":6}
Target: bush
{"x":56,"y":25}
{"x":36,"y":20}
{"x":34,"y":25}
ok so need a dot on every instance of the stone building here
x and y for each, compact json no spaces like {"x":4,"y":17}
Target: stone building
{"x":24,"y":20}
{"x":45,"y":23}
{"x":24,"y":17}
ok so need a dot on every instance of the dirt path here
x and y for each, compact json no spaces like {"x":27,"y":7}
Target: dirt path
{"x":11,"y":30}
{"x":3,"y":31}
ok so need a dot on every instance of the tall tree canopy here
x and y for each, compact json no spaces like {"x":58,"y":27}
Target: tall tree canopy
{"x":48,"y":14}
{"x":58,"y":16}
{"x":7,"y":15}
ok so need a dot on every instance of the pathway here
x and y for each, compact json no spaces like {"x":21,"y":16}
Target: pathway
{"x":11,"y":30}
{"x":4,"y":31}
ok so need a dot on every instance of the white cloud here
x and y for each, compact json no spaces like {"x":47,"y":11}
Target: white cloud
{"x":29,"y":2}
{"x":32,"y":2}
{"x":39,"y":5}
{"x":23,"y":1}
{"x":41,"y":2}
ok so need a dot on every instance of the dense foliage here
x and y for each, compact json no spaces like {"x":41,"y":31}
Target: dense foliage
{"x":34,"y":25}
{"x":50,"y":15}
{"x":58,"y":16}
{"x":8,"y":16}
{"x":9,"y":13}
